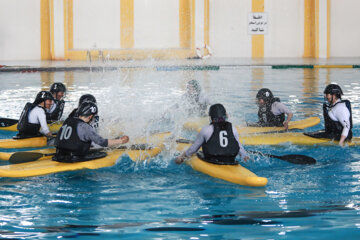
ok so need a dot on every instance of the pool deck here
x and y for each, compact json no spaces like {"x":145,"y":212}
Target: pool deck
{"x":186,"y":64}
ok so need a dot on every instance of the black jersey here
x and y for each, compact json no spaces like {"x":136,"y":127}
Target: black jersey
{"x":222,"y":147}
{"x":58,"y":111}
{"x":25,"y":128}
{"x":68,"y":141}
{"x":267,"y":118}
{"x":334,"y":128}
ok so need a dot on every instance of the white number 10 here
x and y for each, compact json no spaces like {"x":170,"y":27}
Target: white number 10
{"x":66,"y":132}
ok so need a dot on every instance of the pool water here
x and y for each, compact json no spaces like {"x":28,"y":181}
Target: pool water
{"x":157,"y":199}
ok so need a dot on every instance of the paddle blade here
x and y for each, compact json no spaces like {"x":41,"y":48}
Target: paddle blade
{"x":23,"y":157}
{"x":182,"y":140}
{"x":141,"y":146}
{"x":6,"y":122}
{"x":298,"y":159}
{"x":291,"y":158}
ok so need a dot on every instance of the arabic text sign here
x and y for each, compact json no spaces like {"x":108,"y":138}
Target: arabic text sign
{"x":257,"y":23}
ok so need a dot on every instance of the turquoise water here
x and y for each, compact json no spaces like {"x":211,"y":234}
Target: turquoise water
{"x":157,"y":199}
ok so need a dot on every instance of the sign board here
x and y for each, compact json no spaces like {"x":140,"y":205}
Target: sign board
{"x":257,"y":23}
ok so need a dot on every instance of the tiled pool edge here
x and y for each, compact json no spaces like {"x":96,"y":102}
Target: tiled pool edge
{"x":164,"y":68}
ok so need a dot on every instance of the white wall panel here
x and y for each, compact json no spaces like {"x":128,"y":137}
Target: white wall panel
{"x":345,"y":34}
{"x":285,"y":36}
{"x":228,"y":28}
{"x":156,"y":24}
{"x":59,"y":28}
{"x":199,"y":26}
{"x":323,"y":28}
{"x":20,"y":30}
{"x":96,"y":23}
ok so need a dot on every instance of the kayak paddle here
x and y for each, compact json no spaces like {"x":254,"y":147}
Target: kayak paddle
{"x":23,"y":157}
{"x":183,"y":140}
{"x":291,"y":158}
{"x":6,"y":122}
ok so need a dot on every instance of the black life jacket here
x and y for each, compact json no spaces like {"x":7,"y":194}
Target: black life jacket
{"x":25,"y":128}
{"x":68,"y":144}
{"x":222,"y":147}
{"x":334,"y":128}
{"x":267,"y":118}
{"x":58,"y":111}
{"x":73,"y":113}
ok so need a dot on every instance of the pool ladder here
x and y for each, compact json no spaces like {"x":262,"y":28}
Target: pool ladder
{"x":102,"y":60}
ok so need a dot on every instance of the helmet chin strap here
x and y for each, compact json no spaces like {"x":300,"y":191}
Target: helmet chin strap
{"x":91,"y":119}
{"x":331,"y":103}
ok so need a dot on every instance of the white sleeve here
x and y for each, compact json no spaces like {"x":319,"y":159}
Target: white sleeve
{"x":278,"y":108}
{"x":200,"y":139}
{"x":42,"y":120}
{"x":343,"y":116}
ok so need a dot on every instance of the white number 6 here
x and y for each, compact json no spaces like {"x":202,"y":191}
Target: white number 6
{"x":223,"y":139}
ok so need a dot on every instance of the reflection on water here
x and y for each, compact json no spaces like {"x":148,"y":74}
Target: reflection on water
{"x":310,"y":91}
{"x":257,"y":79}
{"x":159,"y":199}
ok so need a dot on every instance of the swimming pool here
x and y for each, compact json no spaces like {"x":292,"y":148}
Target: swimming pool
{"x":160,"y":200}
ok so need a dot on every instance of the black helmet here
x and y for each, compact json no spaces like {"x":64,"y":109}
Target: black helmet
{"x":87,"y":98}
{"x":42,"y":96}
{"x":265,"y":94}
{"x":217,"y":113}
{"x":334,"y":89}
{"x":195,"y":85}
{"x":87,"y":109}
{"x":57,"y":87}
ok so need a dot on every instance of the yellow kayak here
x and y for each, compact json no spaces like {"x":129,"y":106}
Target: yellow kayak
{"x":23,"y":143}
{"x":54,"y":127}
{"x":38,"y":142}
{"x":197,"y":124}
{"x":293,"y":138}
{"x":299,"y":124}
{"x":45,"y":165}
{"x":155,"y":140}
{"x":231,"y":173}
